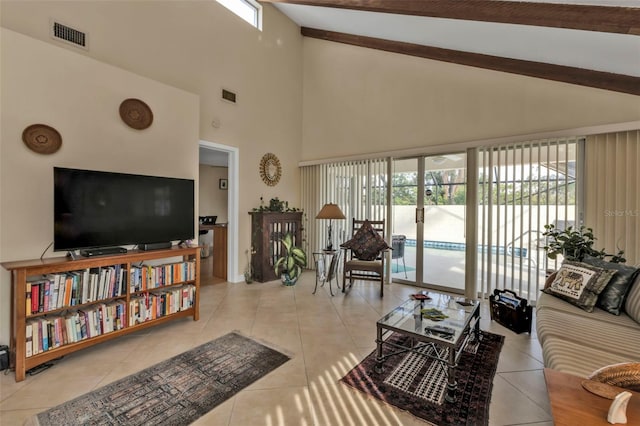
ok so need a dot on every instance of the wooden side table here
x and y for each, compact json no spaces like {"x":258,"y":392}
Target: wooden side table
{"x":571,"y":404}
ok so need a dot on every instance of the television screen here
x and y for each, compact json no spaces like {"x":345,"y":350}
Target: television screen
{"x":102,"y":209}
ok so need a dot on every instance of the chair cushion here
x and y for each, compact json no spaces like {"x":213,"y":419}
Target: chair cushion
{"x":612,"y":297}
{"x":366,"y":244}
{"x":580,"y":284}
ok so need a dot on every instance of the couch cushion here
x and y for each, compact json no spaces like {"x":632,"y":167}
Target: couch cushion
{"x":366,"y":244}
{"x":613,"y":296}
{"x":632,"y":303}
{"x":579,"y":342}
{"x":570,"y":357}
{"x":579,"y":284}
{"x":599,"y":321}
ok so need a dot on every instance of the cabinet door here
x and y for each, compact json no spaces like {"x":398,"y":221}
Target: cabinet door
{"x":268,"y":228}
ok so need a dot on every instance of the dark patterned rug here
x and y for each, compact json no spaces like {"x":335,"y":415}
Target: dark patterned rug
{"x":174,"y":392}
{"x":416,"y":384}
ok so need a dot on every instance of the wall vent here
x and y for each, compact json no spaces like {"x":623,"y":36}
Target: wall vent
{"x":69,"y":35}
{"x":229,"y":96}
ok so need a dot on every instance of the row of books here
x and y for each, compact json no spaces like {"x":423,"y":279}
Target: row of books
{"x":57,"y":291}
{"x":149,"y":306}
{"x":147,"y":277}
{"x":46,"y":333}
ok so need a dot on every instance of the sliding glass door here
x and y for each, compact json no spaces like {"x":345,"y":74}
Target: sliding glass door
{"x":428,"y":211}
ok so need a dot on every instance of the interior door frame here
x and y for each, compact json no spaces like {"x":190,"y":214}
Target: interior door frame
{"x":233,"y":196}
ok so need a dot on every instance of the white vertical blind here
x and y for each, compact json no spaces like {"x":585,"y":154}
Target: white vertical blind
{"x":522,"y":187}
{"x":358,"y":187}
{"x":612,"y":201}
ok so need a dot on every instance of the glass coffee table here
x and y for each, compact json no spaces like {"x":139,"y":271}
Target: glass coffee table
{"x":444,"y":323}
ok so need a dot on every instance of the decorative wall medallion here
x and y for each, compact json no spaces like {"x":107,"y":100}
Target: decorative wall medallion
{"x":42,"y":139}
{"x":136,"y":114}
{"x":270,"y":169}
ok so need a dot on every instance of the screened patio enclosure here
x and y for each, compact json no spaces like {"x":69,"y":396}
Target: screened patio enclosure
{"x":520,"y":188}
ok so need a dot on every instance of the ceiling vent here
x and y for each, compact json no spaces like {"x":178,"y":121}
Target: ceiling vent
{"x":69,"y":35}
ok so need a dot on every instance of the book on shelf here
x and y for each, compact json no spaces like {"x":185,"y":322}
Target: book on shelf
{"x":53,"y":293}
{"x":51,"y":332}
{"x":43,"y":332}
{"x":155,"y":304}
{"x":36,"y":338}
{"x":29,"y":339}
{"x":28,"y":299}
{"x":72,"y":288}
{"x":35,"y":289}
{"x":45,"y":293}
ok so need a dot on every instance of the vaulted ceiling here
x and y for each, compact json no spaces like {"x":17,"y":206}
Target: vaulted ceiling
{"x":594,"y":43}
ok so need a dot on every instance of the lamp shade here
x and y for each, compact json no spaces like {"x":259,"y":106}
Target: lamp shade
{"x":330,"y":211}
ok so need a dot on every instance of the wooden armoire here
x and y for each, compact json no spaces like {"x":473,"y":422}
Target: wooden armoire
{"x":267,"y":229}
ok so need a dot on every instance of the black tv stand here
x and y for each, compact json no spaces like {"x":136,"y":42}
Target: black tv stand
{"x":104,"y":251}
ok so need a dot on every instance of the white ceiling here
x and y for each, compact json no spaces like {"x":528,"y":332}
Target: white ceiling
{"x":600,"y":51}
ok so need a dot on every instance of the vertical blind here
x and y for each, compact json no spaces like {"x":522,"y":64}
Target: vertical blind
{"x":612,"y":201}
{"x":522,"y":187}
{"x":358,"y":187}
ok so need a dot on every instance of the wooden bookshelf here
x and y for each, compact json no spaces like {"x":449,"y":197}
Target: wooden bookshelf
{"x":24,"y":271}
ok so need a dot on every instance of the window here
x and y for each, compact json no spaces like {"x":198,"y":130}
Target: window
{"x":249,"y":10}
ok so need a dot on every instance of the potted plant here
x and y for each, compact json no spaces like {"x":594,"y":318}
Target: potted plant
{"x":575,"y":243}
{"x":290,"y":264}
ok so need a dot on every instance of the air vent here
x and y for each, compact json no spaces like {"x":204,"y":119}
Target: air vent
{"x":228,"y":96}
{"x":69,"y":35}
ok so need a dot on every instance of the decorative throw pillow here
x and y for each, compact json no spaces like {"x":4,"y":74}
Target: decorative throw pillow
{"x":612,"y":297}
{"x":579,"y":284}
{"x":366,"y":244}
{"x":632,"y":304}
{"x":550,"y":279}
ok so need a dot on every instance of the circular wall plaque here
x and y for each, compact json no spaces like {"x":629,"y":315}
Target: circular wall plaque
{"x":136,"y":114}
{"x":42,"y":139}
{"x":270,"y":169}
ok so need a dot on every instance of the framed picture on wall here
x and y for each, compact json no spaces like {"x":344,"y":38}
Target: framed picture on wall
{"x":223,"y":184}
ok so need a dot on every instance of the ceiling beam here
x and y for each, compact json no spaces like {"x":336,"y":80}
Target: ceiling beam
{"x":590,"y":78}
{"x":623,"y":20}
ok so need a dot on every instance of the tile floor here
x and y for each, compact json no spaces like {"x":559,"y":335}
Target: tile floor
{"x":326,"y":336}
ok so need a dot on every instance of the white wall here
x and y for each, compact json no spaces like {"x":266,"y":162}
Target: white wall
{"x":362,"y":101}
{"x":213,"y":200}
{"x":79,"y":97}
{"x":200,"y":47}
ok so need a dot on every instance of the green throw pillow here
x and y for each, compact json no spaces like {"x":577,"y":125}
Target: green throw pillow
{"x":613,"y":296}
{"x":579,"y":284}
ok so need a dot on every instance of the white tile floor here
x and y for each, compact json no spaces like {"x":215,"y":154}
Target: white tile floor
{"x":326,"y":336}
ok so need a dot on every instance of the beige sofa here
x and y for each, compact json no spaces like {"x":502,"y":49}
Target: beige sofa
{"x":579,"y":342}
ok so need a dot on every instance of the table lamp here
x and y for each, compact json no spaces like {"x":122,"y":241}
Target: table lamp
{"x":330,"y":211}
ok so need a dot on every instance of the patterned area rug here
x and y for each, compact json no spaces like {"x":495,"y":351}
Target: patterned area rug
{"x":417,"y":384}
{"x":174,"y":392}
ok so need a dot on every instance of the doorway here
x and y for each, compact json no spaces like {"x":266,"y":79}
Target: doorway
{"x":220,"y":156}
{"x":428,"y":217}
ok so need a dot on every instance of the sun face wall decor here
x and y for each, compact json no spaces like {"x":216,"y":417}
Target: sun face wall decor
{"x":270,"y":169}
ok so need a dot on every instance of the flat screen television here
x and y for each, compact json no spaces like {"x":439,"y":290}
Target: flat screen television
{"x":95,"y":209}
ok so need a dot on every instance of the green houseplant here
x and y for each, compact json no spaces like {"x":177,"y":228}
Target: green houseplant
{"x":575,"y":243}
{"x":290,"y":264}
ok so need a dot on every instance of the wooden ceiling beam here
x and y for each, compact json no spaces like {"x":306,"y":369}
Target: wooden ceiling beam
{"x":590,"y":78}
{"x":612,"y":19}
